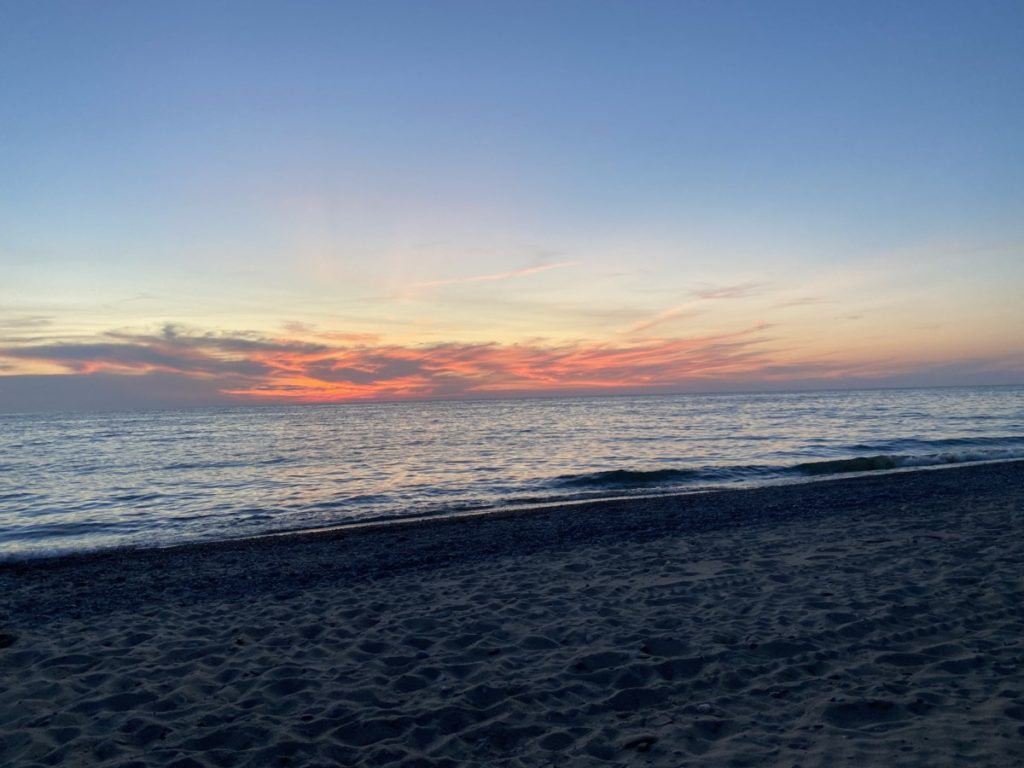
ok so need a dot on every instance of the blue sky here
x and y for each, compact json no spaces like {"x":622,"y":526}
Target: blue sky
{"x":547,"y":174}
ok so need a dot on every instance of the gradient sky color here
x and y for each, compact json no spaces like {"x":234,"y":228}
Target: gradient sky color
{"x":215,"y":202}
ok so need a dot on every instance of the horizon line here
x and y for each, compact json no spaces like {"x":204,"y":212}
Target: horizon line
{"x":503,"y":397}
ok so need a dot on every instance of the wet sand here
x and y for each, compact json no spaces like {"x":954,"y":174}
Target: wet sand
{"x":866,"y":621}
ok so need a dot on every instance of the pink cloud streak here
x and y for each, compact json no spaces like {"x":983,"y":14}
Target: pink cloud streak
{"x":252,"y":367}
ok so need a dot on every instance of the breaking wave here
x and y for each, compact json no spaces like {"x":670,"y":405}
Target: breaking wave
{"x":898,"y":461}
{"x":620,"y":478}
{"x":636,"y":478}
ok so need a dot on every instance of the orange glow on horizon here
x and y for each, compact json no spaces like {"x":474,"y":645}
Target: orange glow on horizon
{"x":323,"y":368}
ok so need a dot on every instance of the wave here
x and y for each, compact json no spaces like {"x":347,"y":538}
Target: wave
{"x":125,"y":497}
{"x":899,"y":461}
{"x":637,"y":478}
{"x":940,"y":444}
{"x":225,"y":464}
{"x":627,"y":478}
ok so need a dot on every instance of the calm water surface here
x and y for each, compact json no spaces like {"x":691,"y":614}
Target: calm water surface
{"x":70,"y":482}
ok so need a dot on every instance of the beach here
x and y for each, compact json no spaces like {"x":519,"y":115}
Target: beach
{"x":871,"y":620}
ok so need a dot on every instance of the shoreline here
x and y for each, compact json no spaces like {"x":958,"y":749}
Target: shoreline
{"x":365,"y":550}
{"x":555,"y":503}
{"x":512,"y":509}
{"x":856,"y":621}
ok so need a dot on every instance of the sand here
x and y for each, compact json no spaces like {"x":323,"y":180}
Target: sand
{"x":867,"y":621}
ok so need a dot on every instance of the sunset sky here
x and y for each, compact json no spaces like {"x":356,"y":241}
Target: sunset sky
{"x":248,"y":202}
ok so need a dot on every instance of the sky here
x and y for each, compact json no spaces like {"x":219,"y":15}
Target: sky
{"x":255,"y":202}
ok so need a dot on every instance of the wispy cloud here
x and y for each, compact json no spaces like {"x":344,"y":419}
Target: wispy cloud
{"x":24,"y":328}
{"x":673,"y":313}
{"x":691,"y":308}
{"x":735,"y":291}
{"x":801,"y":301}
{"x":427,"y":285}
{"x":254,"y":367}
{"x":26,"y":321}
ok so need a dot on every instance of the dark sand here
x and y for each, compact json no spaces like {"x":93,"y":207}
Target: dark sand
{"x":866,"y":621}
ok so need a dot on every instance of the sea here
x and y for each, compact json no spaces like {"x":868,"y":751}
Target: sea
{"x":71,"y":482}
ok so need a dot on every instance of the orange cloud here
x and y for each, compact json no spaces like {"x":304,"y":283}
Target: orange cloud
{"x":252,"y":367}
{"x":340,"y":367}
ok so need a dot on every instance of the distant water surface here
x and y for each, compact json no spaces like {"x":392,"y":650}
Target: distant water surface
{"x":70,"y":482}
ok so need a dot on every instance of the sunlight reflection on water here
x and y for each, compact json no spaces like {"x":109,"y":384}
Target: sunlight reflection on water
{"x":76,"y":481}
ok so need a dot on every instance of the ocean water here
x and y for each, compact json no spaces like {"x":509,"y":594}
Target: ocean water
{"x":72,"y":482}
